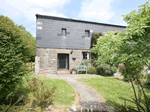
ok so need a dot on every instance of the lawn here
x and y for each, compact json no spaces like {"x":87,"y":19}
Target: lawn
{"x":111,"y":89}
{"x":64,"y":94}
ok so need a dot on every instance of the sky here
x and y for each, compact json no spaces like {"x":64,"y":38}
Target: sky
{"x":103,"y":11}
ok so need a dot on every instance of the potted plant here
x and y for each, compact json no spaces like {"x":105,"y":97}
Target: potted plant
{"x":73,"y":71}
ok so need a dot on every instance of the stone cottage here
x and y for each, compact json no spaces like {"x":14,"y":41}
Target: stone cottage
{"x":63,"y":43}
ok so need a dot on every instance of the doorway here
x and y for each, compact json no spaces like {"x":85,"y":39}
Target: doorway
{"x":63,"y":61}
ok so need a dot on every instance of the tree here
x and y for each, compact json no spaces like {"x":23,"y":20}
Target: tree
{"x":132,"y":48}
{"x":94,"y":39}
{"x":13,"y":54}
{"x":30,"y":42}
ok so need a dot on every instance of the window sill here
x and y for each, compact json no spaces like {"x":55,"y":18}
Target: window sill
{"x":63,"y":36}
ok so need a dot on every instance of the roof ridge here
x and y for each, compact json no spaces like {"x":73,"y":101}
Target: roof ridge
{"x":76,"y":20}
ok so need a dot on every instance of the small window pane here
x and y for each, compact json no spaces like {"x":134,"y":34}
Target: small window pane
{"x":87,"y":33}
{"x":63,"y":32}
{"x":85,"y":55}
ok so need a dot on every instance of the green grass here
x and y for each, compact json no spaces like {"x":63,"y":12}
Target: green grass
{"x":111,"y":89}
{"x":64,"y":94}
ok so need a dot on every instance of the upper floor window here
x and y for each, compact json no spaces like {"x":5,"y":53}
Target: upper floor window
{"x":64,"y":32}
{"x":87,"y":33}
{"x":85,"y":55}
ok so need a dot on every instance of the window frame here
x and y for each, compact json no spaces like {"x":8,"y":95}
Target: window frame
{"x":87,"y":55}
{"x":65,"y":31}
{"x":88,"y":31}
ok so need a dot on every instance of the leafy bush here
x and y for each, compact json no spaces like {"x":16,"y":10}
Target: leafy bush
{"x":43,"y":96}
{"x":16,"y":102}
{"x":92,"y":70}
{"x":105,"y":70}
{"x":73,"y":69}
{"x":86,"y":63}
{"x":13,"y":55}
{"x":13,"y":106}
{"x":30,"y":42}
{"x":146,"y":79}
{"x":95,"y":36}
{"x":143,"y":106}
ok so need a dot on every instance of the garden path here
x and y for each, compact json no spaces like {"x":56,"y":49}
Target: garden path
{"x":89,"y":100}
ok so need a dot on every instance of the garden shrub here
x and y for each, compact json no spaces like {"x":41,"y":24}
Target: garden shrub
{"x":16,"y":102}
{"x":146,"y":78}
{"x":43,"y":95}
{"x":105,"y":70}
{"x":73,"y":69}
{"x":94,"y":38}
{"x":13,"y":55}
{"x":92,"y":70}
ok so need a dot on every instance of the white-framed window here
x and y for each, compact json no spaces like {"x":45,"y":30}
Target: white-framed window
{"x":87,"y":33}
{"x":64,"y":32}
{"x":85,"y":55}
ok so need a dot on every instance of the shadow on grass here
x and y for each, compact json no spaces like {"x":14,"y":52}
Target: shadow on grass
{"x":121,"y":107}
{"x":20,"y":95}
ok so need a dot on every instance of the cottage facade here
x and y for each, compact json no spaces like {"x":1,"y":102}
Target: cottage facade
{"x":63,"y":44}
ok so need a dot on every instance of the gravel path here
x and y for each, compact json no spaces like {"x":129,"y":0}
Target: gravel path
{"x":88,"y":99}
{"x":71,"y":76}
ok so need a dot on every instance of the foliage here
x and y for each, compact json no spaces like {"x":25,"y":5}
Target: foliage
{"x":94,"y":39}
{"x":129,"y":108}
{"x":12,"y":106}
{"x":30,"y":42}
{"x":95,"y":36}
{"x":16,"y":102}
{"x":146,"y":79}
{"x":130,"y":48}
{"x":92,"y":70}
{"x":43,"y":95}
{"x":30,"y":66}
{"x":13,"y":53}
{"x":23,"y":99}
{"x":73,"y":69}
{"x":106,"y":48}
{"x":105,"y":70}
{"x":63,"y":91}
{"x":112,"y":89}
{"x":86,"y":63}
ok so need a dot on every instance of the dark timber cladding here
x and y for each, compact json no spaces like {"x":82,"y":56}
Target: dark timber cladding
{"x":49,"y":32}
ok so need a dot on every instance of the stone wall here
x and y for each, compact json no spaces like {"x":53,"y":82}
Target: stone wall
{"x":48,"y":58}
{"x":75,"y":59}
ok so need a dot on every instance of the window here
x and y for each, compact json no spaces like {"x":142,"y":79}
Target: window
{"x":85,"y":55}
{"x":64,"y":32}
{"x":87,"y":33}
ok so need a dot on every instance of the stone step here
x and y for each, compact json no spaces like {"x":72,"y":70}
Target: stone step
{"x":63,"y":72}
{"x":47,"y":72}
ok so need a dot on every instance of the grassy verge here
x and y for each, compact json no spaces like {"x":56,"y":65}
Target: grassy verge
{"x":111,"y":89}
{"x":64,"y":94}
